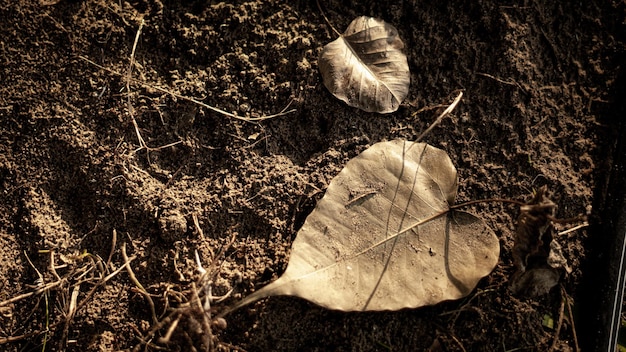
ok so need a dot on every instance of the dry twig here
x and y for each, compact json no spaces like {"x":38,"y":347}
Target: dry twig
{"x":193,"y":309}
{"x":559,"y":324}
{"x":443,"y":114}
{"x":70,"y":282}
{"x":139,"y":286}
{"x":129,"y":77}
{"x":283,"y":112}
{"x":571,"y":318}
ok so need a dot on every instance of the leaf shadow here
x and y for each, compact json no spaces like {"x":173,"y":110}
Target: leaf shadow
{"x":452,"y":216}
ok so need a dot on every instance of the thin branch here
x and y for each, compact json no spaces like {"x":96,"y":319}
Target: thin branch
{"x":326,"y":18}
{"x":102,"y":282}
{"x":206,"y":314}
{"x":113,"y":244}
{"x":170,"y":331}
{"x":487,"y":200}
{"x":578,"y":227}
{"x":9,"y":339}
{"x":41,"y":288}
{"x":559,"y":324}
{"x":129,"y":78}
{"x":139,"y":286}
{"x":28,"y":294}
{"x":500,"y":80}
{"x":443,"y":114}
{"x":571,"y":319}
{"x":73,"y":307}
{"x":458,"y":342}
{"x":197,"y":102}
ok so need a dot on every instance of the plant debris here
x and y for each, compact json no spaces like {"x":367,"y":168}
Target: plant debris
{"x":537,"y":256}
{"x":383,"y":237}
{"x":365,"y":67}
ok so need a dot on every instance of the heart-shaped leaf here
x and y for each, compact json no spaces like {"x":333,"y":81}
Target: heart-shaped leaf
{"x":384,"y":238}
{"x":365,"y":67}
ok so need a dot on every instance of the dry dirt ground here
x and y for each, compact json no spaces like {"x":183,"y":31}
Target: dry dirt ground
{"x":92,"y":163}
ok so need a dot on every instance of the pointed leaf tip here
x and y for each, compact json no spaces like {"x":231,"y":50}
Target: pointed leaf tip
{"x":383,"y":237}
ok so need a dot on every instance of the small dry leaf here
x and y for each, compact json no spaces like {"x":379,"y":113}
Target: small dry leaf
{"x":365,"y":67}
{"x":384,"y":238}
{"x":537,"y":256}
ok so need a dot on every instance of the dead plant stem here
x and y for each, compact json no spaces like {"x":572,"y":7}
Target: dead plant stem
{"x":283,"y":112}
{"x":487,"y":200}
{"x":319,"y":7}
{"x":559,"y":324}
{"x":129,"y":77}
{"x":577,"y":227}
{"x":113,"y":244}
{"x":139,"y":286}
{"x":73,"y":307}
{"x":206,"y":314}
{"x":571,"y":318}
{"x":443,"y":114}
{"x":28,"y":294}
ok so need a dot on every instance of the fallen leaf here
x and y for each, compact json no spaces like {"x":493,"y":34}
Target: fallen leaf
{"x":537,"y":256}
{"x":365,"y":66}
{"x":383,"y":237}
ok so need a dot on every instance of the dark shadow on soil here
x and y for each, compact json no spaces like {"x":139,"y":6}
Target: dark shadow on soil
{"x":603,"y":266}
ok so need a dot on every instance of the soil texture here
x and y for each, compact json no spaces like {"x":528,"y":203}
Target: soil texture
{"x":106,"y":164}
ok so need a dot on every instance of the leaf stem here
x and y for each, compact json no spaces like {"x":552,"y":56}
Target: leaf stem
{"x":326,"y":18}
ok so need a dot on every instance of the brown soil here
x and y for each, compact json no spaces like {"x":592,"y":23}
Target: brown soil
{"x":538,"y":78}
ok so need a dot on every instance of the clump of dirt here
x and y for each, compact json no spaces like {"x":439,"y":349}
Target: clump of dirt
{"x":85,"y":155}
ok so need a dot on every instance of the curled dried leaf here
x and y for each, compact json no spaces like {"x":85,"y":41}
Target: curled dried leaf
{"x":538,"y":258}
{"x":365,"y":67}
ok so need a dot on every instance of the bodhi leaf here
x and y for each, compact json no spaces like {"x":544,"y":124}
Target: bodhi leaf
{"x":365,"y":66}
{"x":384,"y":238}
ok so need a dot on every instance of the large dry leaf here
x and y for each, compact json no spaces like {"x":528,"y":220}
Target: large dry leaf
{"x":365,"y":67}
{"x":375,"y":242}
